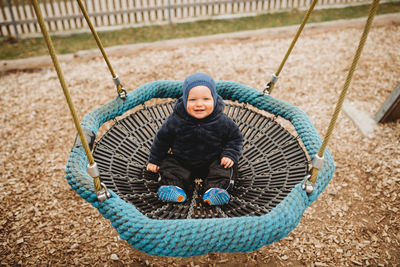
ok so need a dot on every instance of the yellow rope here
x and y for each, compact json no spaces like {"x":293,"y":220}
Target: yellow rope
{"x":339,"y":104}
{"x":99,"y":44}
{"x":305,"y":19}
{"x":65,"y":89}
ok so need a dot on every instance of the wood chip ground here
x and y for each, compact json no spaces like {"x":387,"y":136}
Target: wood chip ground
{"x":355,"y":221}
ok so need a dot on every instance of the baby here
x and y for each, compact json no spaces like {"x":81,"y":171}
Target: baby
{"x":196,"y":141}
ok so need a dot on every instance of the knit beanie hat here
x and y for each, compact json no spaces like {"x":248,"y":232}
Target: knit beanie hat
{"x":199,"y":79}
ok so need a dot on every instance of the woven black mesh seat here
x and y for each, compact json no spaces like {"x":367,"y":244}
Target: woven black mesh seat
{"x":273,"y":162}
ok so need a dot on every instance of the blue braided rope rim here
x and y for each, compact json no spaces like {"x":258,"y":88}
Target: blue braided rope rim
{"x":191,"y":237}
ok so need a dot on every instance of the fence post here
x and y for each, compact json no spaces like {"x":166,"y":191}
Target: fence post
{"x":14,"y":23}
{"x":169,"y":12}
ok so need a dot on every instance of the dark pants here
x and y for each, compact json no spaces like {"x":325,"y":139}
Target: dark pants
{"x":181,"y":173}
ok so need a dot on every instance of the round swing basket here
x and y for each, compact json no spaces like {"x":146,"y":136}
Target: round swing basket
{"x":267,"y":199}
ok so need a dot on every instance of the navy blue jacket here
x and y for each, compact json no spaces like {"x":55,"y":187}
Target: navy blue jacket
{"x":192,"y":139}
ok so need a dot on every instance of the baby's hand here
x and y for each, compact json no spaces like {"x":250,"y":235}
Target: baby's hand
{"x":226,"y":162}
{"x":152,"y":167}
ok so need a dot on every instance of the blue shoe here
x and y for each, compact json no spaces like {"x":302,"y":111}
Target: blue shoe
{"x":171,"y":193}
{"x":216,"y":196}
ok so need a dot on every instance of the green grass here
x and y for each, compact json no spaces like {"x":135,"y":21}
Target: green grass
{"x":63,"y":45}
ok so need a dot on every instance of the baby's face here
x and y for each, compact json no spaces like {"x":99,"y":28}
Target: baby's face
{"x":200,"y":102}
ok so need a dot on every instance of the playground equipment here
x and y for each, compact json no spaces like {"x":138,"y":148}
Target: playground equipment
{"x":390,"y":110}
{"x":277,"y":181}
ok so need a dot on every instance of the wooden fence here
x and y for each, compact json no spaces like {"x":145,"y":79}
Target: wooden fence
{"x":17,"y":16}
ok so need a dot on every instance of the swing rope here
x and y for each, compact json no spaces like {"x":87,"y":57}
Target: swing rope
{"x":270,"y":86}
{"x":319,"y":156}
{"x":120,"y":89}
{"x":92,"y":167}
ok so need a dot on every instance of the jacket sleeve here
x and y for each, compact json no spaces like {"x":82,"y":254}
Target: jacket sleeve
{"x":162,"y":142}
{"x":233,"y":147}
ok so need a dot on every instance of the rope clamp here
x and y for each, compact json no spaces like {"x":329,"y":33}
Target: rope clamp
{"x":103,"y":194}
{"x":274,"y":79}
{"x":318,"y":162}
{"x":117,"y":82}
{"x":93,"y":171}
{"x":307,"y":186}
